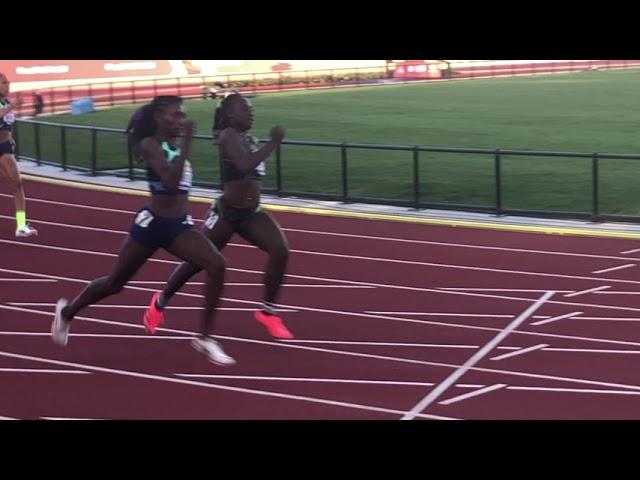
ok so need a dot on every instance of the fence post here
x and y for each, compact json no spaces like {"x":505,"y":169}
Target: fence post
{"x":94,"y":151}
{"x":52,"y":101}
{"x":111,"y":93}
{"x":133,"y":91}
{"x":279,"y":169}
{"x":416,"y":178}
{"x":63,"y":147}
{"x":498,"y":183}
{"x":343,"y":159}
{"x":37,"y":135}
{"x":130,"y":156}
{"x":596,"y":200}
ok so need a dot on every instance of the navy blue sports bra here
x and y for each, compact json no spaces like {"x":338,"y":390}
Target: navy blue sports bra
{"x":230,"y":172}
{"x":7,"y":120}
{"x":158,"y":187}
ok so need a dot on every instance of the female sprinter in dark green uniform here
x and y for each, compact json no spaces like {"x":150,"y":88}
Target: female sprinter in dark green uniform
{"x":238,"y":211}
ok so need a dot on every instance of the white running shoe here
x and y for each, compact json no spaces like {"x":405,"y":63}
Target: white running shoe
{"x":26,"y":231}
{"x":213,"y":350}
{"x":60,"y":328}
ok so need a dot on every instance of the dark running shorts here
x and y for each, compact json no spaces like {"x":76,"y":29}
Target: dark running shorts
{"x":7,"y":147}
{"x":237,"y":217}
{"x":158,"y":232}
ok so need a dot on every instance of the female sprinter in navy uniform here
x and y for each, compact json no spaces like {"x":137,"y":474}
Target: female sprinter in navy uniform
{"x":8,"y":165}
{"x":238,"y":211}
{"x":163,"y":223}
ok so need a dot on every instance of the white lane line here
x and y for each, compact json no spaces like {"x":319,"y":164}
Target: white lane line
{"x":436,"y":314}
{"x":460,"y":245}
{"x":574,"y":390}
{"x":520,"y":351}
{"x":522,"y":290}
{"x":42,"y":370}
{"x":318,"y":380}
{"x":26,"y":280}
{"x":72,"y":418}
{"x":378,"y":317}
{"x":304,"y":379}
{"x":76,"y":227}
{"x":381,"y":344}
{"x":591,"y":290}
{"x":469,"y":347}
{"x":612,"y":319}
{"x":141,"y":336}
{"x":307,"y":277}
{"x":282,"y":344}
{"x":555,"y":319}
{"x":475,"y":358}
{"x":8,"y":418}
{"x":146,"y":376}
{"x":619,"y":267}
{"x":171,"y":307}
{"x":89,"y":207}
{"x":591,"y":350}
{"x":626,"y":252}
{"x":617,"y":293}
{"x":481,"y":391}
{"x":244,"y":284}
{"x":355,"y":257}
{"x":350,"y":235}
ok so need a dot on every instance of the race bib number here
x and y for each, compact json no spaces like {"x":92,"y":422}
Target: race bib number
{"x":253,"y":143}
{"x":187,"y":176}
{"x":211,"y":219}
{"x":144,"y":218}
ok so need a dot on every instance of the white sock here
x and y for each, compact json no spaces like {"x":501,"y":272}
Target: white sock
{"x":269,"y":308}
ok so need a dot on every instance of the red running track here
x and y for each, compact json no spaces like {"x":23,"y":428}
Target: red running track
{"x":391,"y":319}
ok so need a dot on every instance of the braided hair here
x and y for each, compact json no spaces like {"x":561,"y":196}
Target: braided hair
{"x":143,"y":123}
{"x":4,"y":78}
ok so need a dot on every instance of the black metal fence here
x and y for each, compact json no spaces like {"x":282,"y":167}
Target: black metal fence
{"x":100,"y":151}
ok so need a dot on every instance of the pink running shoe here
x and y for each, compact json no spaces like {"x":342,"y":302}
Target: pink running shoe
{"x":153,"y":317}
{"x":274,"y":325}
